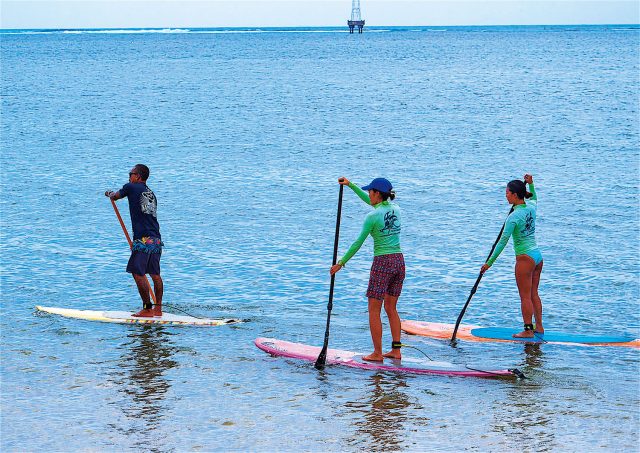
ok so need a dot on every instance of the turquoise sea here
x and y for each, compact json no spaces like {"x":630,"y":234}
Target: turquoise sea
{"x":246,"y":132}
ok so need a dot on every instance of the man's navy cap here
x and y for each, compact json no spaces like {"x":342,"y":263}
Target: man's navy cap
{"x":380,"y":184}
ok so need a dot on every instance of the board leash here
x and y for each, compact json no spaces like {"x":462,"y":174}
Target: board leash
{"x":516,"y":372}
{"x":539,"y":336}
{"x":418,"y":349}
{"x":173,"y":307}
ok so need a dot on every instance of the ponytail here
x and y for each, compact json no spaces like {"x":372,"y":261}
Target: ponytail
{"x":387,"y":195}
{"x":519,"y":188}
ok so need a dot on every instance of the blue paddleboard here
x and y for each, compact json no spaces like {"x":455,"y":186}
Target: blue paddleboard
{"x":500,"y":333}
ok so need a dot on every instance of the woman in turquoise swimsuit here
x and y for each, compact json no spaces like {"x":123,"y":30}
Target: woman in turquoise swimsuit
{"x":383,"y":223}
{"x":521,"y":223}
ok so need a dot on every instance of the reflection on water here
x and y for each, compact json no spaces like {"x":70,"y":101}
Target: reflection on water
{"x":523,"y":417}
{"x":141,"y":377}
{"x":381,"y":416}
{"x":533,"y":356}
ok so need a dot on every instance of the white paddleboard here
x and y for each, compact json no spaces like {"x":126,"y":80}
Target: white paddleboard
{"x":124,"y":317}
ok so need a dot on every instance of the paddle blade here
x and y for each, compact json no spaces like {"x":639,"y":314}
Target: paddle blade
{"x":322,"y":359}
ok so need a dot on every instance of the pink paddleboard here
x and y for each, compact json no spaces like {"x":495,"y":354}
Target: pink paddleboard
{"x":354,"y":359}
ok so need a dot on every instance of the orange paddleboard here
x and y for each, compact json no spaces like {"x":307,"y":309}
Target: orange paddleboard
{"x":496,"y":334}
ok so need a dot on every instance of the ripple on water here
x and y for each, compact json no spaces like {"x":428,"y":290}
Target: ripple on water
{"x":245,"y":134}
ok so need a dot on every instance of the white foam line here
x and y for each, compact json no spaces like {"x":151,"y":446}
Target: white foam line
{"x":175,"y":31}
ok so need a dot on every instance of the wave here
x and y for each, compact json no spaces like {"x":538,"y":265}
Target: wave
{"x":128,"y":30}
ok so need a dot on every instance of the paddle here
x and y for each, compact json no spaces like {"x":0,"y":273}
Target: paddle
{"x":126,"y":233}
{"x":322,"y":358}
{"x":475,"y":287}
{"x":124,"y":228}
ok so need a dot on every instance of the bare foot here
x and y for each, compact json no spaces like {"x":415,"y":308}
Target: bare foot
{"x":393,"y":354}
{"x":144,"y":313}
{"x":538,"y":329}
{"x":157,"y":312}
{"x":523,"y":334}
{"x":373,"y":357}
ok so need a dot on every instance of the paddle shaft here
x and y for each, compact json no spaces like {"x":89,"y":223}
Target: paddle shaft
{"x":475,"y":286}
{"x":124,"y":228}
{"x":322,"y":358}
{"x":126,"y":234}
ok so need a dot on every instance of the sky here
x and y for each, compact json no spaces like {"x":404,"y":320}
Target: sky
{"x":265,"y":13}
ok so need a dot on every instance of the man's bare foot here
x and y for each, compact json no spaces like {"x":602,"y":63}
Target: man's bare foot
{"x":538,"y":329}
{"x":144,"y":313}
{"x":157,"y":312}
{"x":393,"y":354}
{"x":373,"y":357}
{"x":523,"y":334}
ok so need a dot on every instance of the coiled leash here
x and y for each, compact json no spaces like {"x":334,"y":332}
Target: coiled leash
{"x":516,"y":372}
{"x":536,"y":335}
{"x":173,"y":308}
{"x":399,"y":344}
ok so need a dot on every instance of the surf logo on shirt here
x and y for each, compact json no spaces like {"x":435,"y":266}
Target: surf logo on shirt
{"x":391,"y":223}
{"x":148,"y":202}
{"x":529,"y":225}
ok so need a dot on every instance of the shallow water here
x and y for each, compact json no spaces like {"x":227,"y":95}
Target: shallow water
{"x":245,"y":134}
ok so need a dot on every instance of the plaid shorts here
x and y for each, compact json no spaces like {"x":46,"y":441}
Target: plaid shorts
{"x":387,"y":275}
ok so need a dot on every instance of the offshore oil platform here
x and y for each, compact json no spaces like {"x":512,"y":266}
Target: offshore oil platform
{"x":356,"y":17}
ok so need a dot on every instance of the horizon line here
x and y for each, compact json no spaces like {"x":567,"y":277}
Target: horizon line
{"x":243,"y":27}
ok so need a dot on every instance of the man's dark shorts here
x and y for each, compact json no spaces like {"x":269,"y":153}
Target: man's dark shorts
{"x":142,"y":263}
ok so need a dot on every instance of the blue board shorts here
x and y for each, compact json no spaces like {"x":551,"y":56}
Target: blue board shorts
{"x":141,"y":263}
{"x":536,"y":255}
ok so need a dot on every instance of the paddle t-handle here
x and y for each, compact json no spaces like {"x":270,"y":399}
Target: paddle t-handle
{"x":322,"y":357}
{"x":475,"y":286}
{"x":126,"y":234}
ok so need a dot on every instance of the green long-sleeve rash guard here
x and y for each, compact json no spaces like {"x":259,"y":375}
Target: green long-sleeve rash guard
{"x":521,"y":223}
{"x":383,"y":224}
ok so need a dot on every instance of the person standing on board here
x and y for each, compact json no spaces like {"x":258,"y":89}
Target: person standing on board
{"x":387,"y":270}
{"x":147,"y":243}
{"x":521,"y":223}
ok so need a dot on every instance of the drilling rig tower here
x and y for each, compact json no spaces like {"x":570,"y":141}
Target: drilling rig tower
{"x":356,"y":17}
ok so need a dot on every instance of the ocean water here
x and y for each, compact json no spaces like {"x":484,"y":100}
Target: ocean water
{"x":246,"y":133}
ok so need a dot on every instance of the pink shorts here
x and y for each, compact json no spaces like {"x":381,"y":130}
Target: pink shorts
{"x":387,"y":275}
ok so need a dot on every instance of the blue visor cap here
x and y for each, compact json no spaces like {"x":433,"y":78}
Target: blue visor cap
{"x":380,"y":184}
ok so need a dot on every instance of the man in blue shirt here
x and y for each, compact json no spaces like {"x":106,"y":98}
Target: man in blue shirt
{"x":147,"y":242}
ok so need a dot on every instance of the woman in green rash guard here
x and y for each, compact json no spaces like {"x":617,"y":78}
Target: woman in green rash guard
{"x":387,"y":270}
{"x":521,"y":223}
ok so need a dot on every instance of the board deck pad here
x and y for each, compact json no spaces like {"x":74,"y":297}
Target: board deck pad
{"x":124,"y":317}
{"x":556,"y":337}
{"x":499,"y":334}
{"x":354,"y":359}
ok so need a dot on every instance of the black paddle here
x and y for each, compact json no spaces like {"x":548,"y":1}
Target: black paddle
{"x":322,"y":358}
{"x":475,"y":287}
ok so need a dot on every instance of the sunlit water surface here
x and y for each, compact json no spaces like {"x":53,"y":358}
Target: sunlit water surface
{"x":246,"y":134}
